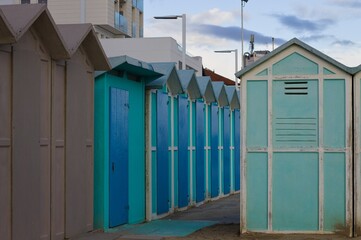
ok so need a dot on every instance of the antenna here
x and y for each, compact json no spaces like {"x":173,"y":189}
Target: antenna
{"x":251,"y":43}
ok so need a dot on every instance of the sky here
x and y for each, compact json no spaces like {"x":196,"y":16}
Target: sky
{"x":331,"y":26}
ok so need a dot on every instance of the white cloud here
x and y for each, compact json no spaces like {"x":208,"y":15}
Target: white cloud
{"x":215,"y":16}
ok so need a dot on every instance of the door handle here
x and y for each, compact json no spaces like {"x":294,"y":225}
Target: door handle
{"x":113,"y":166}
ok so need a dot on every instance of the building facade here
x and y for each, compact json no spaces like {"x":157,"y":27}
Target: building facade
{"x":158,"y":49}
{"x":111,"y":18}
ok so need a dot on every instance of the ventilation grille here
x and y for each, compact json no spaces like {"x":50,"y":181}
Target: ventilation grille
{"x":296,"y":131}
{"x":296,"y":88}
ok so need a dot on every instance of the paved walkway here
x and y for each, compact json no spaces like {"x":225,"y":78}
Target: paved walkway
{"x":179,"y":224}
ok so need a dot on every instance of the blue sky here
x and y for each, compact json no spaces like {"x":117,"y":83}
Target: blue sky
{"x":331,"y":26}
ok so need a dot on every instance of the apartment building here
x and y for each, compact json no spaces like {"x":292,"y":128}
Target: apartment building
{"x":111,"y":18}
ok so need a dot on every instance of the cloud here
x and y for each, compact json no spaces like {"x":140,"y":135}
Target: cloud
{"x":316,"y":38}
{"x":301,"y":25}
{"x":346,"y":3}
{"x":215,"y":16}
{"x":234,"y":33}
{"x":343,"y":43}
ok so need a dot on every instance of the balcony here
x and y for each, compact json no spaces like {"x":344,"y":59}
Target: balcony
{"x":134,"y":30}
{"x":139,"y":4}
{"x":120,"y":22}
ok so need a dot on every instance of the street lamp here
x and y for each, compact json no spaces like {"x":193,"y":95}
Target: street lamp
{"x":183,"y":16}
{"x":243,"y":3}
{"x":236,"y":61}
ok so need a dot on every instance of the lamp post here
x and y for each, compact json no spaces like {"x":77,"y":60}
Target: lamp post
{"x":183,"y":16}
{"x":243,"y":3}
{"x":236,"y":61}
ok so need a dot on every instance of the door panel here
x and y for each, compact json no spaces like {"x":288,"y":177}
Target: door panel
{"x":183,"y":175}
{"x":162,"y":154}
{"x":118,"y":157}
{"x":214,"y":152}
{"x":200,"y":169}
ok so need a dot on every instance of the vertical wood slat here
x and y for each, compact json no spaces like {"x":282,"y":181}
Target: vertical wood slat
{"x":58,"y":153}
{"x":26,"y":150}
{"x":44,"y":142}
{"x":5,"y":145}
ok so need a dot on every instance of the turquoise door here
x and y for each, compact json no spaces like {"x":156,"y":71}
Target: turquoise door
{"x":226,"y":151}
{"x":214,"y":152}
{"x":162,"y":154}
{"x":183,"y":166}
{"x":200,"y":168}
{"x":118,"y":157}
{"x":237,"y":148}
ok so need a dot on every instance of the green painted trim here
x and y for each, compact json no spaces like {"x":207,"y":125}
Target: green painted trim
{"x":263,"y":73}
{"x":327,"y":71}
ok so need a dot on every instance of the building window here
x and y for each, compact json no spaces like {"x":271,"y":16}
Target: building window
{"x":25,"y":1}
{"x":43,"y":1}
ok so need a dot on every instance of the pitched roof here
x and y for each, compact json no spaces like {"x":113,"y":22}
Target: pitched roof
{"x":170,"y":78}
{"x":206,"y":88}
{"x":189,"y":83}
{"x":302,"y":45}
{"x":132,"y":65}
{"x":232,"y":95}
{"x":18,"y":19}
{"x":76,"y":35}
{"x":220,"y":93}
{"x":7,"y":34}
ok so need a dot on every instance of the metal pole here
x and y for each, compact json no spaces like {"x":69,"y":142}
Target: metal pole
{"x":236,"y":60}
{"x":242,"y":62}
{"x":184,"y":66}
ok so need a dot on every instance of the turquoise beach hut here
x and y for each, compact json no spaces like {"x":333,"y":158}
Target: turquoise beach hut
{"x":191,"y":93}
{"x":119,"y":159}
{"x":223,"y":137}
{"x":235,"y":157}
{"x":296,"y":168}
{"x":211,"y":165}
{"x":161,"y":150}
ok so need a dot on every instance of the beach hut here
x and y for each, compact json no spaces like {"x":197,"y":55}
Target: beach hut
{"x":30,"y":44}
{"x":87,"y":56}
{"x":211,"y":167}
{"x":119,"y":161}
{"x":357,"y":148}
{"x":161,"y":149}
{"x":223,"y":137}
{"x":235,"y":157}
{"x":34,"y":185}
{"x":297,"y":142}
{"x":191,"y":93}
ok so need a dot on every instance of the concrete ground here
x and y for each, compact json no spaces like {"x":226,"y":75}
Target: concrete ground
{"x":210,"y":221}
{"x":179,"y":224}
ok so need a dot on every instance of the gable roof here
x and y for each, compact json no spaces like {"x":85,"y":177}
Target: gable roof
{"x":132,"y":65}
{"x":220,"y":93}
{"x":206,"y":89}
{"x":232,"y":95}
{"x":7,"y":35}
{"x":189,"y":83}
{"x":170,"y":78}
{"x":18,"y":19}
{"x":300,"y":44}
{"x":76,"y":35}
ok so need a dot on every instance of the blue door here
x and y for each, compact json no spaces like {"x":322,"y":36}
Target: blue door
{"x":237,"y":148}
{"x":162,"y":154}
{"x":226,"y":152}
{"x":200,"y":168}
{"x":214,"y":152}
{"x":118,"y":157}
{"x":183,"y":175}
